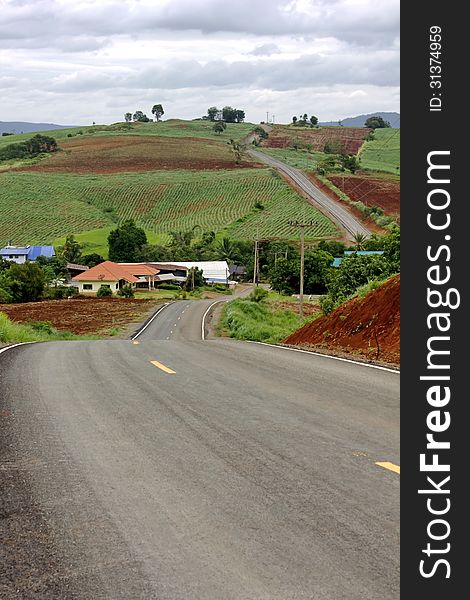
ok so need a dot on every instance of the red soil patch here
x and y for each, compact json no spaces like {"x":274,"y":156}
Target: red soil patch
{"x":368,"y":222}
{"x":372,"y":191}
{"x":369,"y":327}
{"x":117,"y":154}
{"x":348,"y":139}
{"x":81,"y":315}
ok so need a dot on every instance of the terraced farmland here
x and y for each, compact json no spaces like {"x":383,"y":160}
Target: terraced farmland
{"x":39,"y":207}
{"x":383,"y":153}
{"x":346,"y":139}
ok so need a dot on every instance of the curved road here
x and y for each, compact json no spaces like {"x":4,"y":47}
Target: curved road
{"x":187,"y":469}
{"x":318,"y":198}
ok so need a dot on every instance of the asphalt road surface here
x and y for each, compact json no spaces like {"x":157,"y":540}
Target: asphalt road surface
{"x":188,"y":469}
{"x":339,"y":215}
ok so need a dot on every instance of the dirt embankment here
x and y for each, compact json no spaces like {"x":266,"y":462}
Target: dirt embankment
{"x":366,"y":327}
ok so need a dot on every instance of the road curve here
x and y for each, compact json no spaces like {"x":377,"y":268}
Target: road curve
{"x":176,"y":469}
{"x":339,"y":215}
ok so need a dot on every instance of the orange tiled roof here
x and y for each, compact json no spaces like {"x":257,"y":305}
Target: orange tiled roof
{"x":106,"y":271}
{"x":139,"y":269}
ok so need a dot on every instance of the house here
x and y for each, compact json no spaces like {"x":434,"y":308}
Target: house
{"x":170,"y":272}
{"x":337,"y":261}
{"x":73,"y":270}
{"x":237,"y":272}
{"x":21,"y":254}
{"x":213,"y":271}
{"x":115,"y":276}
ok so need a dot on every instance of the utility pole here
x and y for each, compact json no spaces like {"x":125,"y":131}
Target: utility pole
{"x":302,"y":227}
{"x":267,"y":117}
{"x":255,"y":268}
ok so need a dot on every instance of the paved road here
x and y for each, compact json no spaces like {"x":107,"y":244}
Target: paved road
{"x":179,"y":469}
{"x":342,"y":217}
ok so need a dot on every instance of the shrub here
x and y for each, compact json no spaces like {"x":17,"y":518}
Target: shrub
{"x":258,"y":295}
{"x":42,"y":326}
{"x":127,"y":291}
{"x":104,"y":292}
{"x":5,"y":296}
{"x":327,"y":305}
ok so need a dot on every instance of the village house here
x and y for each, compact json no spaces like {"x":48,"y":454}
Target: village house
{"x":22,"y":254}
{"x":115,"y":276}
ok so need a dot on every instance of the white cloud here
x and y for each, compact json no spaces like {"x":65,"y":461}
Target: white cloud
{"x":77,"y":61}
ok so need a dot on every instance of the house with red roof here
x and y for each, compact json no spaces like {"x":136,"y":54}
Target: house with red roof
{"x":115,"y":276}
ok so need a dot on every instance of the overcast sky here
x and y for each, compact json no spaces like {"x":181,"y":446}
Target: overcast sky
{"x":78,"y":61}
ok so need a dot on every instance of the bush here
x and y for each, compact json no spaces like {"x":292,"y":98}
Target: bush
{"x":127,"y":291}
{"x":104,"y":292}
{"x":168,"y":286}
{"x":5,"y":296}
{"x":42,"y":326}
{"x":327,"y":305}
{"x":258,"y":295}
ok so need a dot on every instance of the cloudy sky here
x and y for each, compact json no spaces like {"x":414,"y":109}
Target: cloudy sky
{"x":78,"y":61}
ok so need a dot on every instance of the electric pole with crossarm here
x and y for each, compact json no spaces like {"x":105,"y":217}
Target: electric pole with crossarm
{"x":302,"y":227}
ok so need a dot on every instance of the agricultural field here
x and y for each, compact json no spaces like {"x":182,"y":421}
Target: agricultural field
{"x":115,"y":154}
{"x":41,"y":207}
{"x":343,"y":139}
{"x":383,"y":192}
{"x":301,"y":159}
{"x":383,"y":153}
{"x":170,"y":128}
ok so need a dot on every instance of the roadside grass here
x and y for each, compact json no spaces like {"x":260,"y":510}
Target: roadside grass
{"x":243,"y":319}
{"x":40,"y":331}
{"x":302,"y":159}
{"x":382,"y":153}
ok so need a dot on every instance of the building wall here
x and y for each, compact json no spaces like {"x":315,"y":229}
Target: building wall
{"x":95,"y":286}
{"x":19,"y":259}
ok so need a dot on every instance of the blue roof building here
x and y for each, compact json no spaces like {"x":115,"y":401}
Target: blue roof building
{"x":337,"y":261}
{"x":21,"y":254}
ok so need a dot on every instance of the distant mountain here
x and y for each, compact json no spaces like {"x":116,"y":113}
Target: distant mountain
{"x":24,"y":127}
{"x":392,"y":117}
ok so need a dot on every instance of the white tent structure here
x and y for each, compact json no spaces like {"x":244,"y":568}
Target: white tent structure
{"x":213,"y":271}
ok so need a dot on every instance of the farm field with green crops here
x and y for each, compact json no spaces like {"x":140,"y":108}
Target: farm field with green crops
{"x":383,"y":153}
{"x":302,"y":159}
{"x":41,"y":207}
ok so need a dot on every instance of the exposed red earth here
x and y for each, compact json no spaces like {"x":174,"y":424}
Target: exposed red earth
{"x":350,"y":139}
{"x":82,"y":315}
{"x":117,"y":154}
{"x":365,"y":327}
{"x":372,"y":191}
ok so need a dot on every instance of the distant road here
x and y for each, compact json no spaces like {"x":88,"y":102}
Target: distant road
{"x":181,"y":469}
{"x":339,"y":215}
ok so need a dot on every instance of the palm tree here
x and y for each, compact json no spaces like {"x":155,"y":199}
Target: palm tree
{"x":359,"y":240}
{"x":227,"y":250}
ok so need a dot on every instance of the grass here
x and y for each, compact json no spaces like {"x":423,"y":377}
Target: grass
{"x":258,"y":321}
{"x":383,"y":153}
{"x":40,"y":332}
{"x":45,"y":207}
{"x":301,"y":159}
{"x":169,"y":128}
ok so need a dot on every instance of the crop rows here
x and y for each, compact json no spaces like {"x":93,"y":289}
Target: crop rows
{"x":38,"y":207}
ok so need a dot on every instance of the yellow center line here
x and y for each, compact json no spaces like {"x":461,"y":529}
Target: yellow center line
{"x":162,"y":367}
{"x":390,"y":466}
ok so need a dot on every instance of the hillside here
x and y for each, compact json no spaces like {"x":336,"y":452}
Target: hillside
{"x":25,"y":127}
{"x":392,"y":117}
{"x":168,"y":176}
{"x":367,"y":327}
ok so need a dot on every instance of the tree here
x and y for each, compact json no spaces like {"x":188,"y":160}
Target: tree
{"x":314,"y":120}
{"x":294,"y":120}
{"x":91,"y":260}
{"x":359,"y":240}
{"x":71,"y":250}
{"x":239,"y":116}
{"x":194,"y":279}
{"x":227,"y":250}
{"x":128,"y":117}
{"x":104,"y":291}
{"x":229,"y":114}
{"x":140,"y":117}
{"x":238,"y":150}
{"x":157,"y":110}
{"x":376,"y":122}
{"x":212,"y":113}
{"x":25,"y":283}
{"x":219,"y":127}
{"x":126,"y":242}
